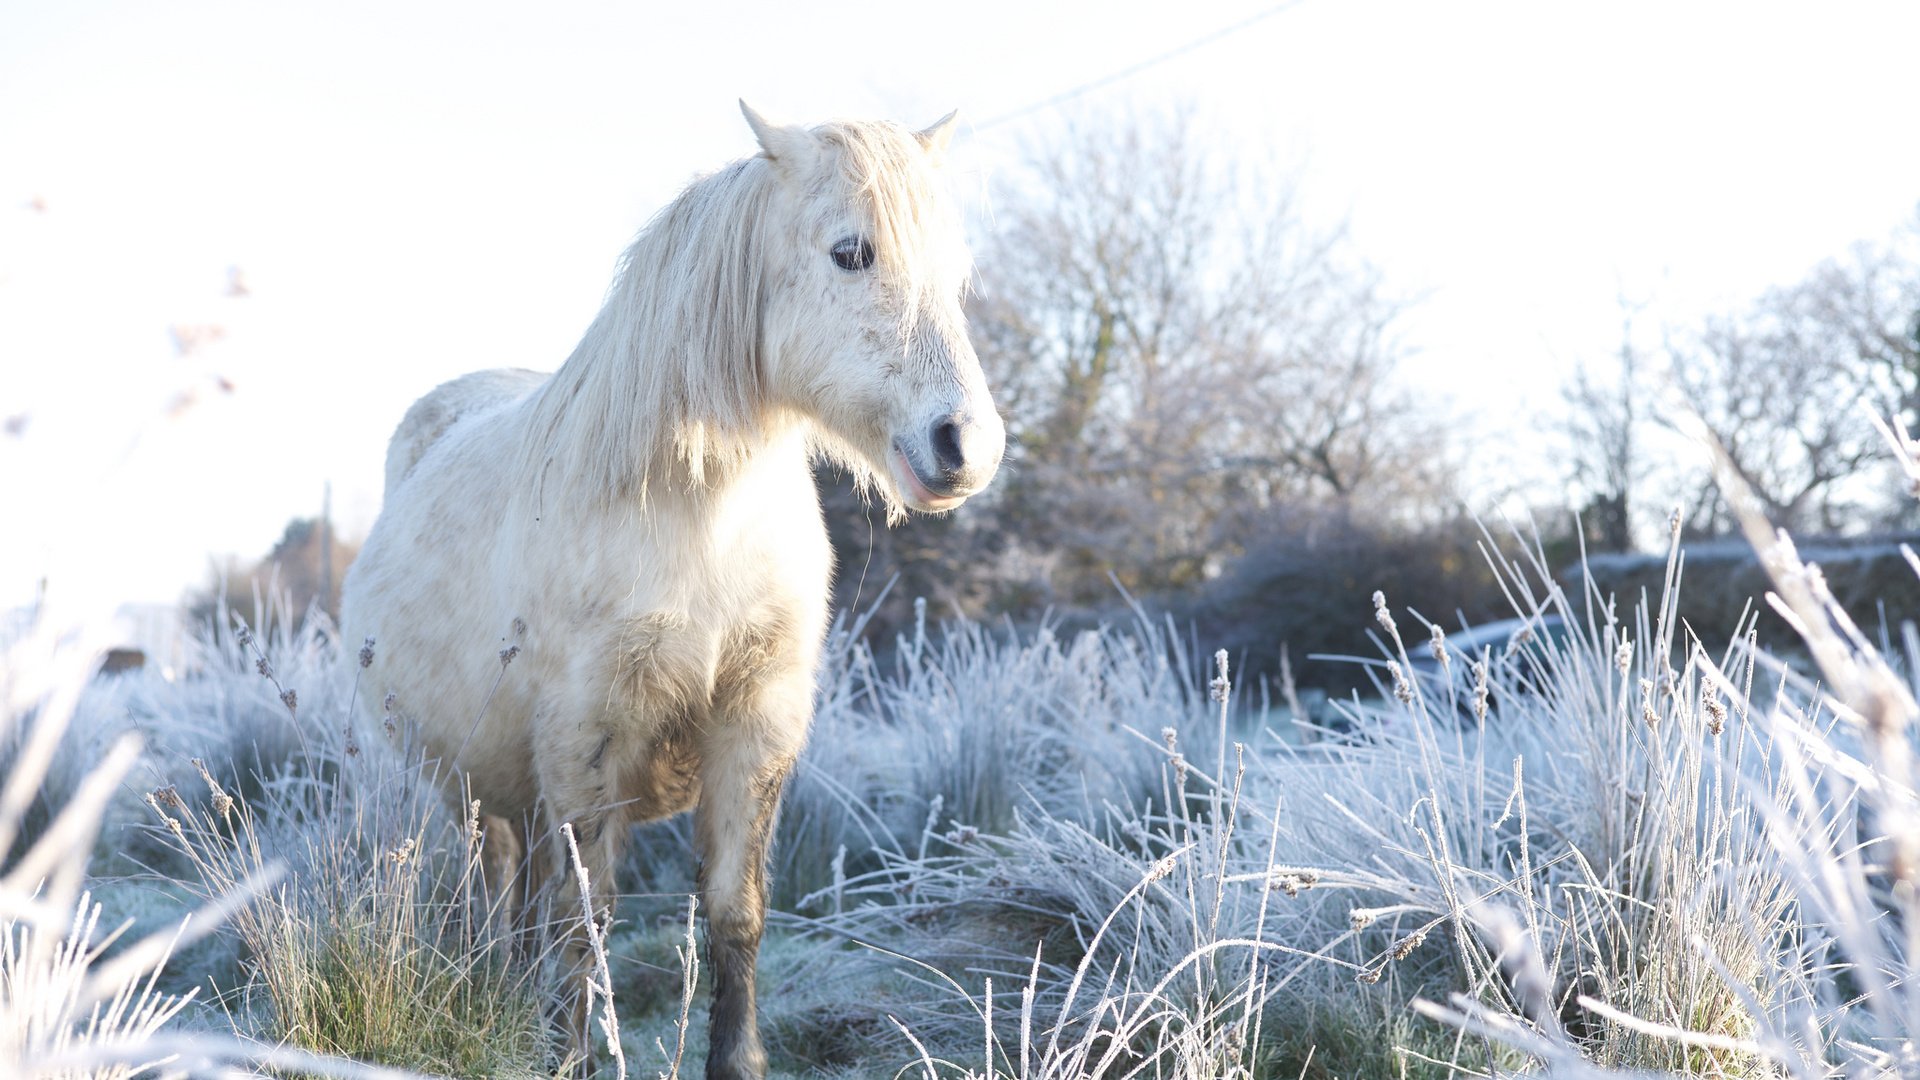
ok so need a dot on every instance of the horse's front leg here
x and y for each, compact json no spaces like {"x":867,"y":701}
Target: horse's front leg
{"x":743,"y":768}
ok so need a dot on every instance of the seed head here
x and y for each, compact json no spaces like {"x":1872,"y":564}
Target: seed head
{"x":1370,"y":976}
{"x":507,"y":654}
{"x":222,"y":802}
{"x":1883,"y":709}
{"x":1520,"y":638}
{"x":1404,"y":948}
{"x":265,"y":669}
{"x":1904,"y":860}
{"x":1382,"y":615}
{"x":1716,"y":711}
{"x":1172,"y":738}
{"x":1402,"y":689}
{"x":1161,"y":868}
{"x":1292,"y":880}
{"x":1360,"y":918}
{"x":1623,"y":656}
{"x":173,"y":823}
{"x":290,"y":699}
{"x":1220,"y":687}
{"x":366,"y":654}
{"x":1437,"y":644}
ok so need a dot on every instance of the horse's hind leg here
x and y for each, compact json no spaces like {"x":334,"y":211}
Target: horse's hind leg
{"x":534,"y":873}
{"x":516,"y":865}
{"x":739,"y":799}
{"x":500,"y":856}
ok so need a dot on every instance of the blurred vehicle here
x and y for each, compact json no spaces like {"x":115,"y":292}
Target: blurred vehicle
{"x":1517,"y":652}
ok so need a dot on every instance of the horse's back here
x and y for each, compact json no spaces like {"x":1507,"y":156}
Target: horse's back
{"x":430,"y":417}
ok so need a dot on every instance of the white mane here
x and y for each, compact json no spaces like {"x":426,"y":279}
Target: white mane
{"x":669,"y":382}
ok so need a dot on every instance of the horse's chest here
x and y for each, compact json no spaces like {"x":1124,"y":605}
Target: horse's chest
{"x":666,"y":664}
{"x":660,"y":659}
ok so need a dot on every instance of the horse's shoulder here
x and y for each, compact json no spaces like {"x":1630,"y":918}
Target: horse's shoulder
{"x":430,"y":417}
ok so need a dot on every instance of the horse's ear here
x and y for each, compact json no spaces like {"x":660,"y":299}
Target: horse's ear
{"x":939,"y":136}
{"x":791,"y":148}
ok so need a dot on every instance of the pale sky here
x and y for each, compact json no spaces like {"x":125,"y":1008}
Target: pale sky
{"x":413,"y":191}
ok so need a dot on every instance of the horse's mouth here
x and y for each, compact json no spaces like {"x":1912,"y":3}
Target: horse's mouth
{"x":918,"y":495}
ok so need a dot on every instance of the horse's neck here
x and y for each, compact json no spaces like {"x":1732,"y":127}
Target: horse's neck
{"x":738,"y":468}
{"x":690,"y":467}
{"x":624,"y":419}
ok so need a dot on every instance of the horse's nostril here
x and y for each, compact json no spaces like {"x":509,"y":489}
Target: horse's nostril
{"x":947,"y":454}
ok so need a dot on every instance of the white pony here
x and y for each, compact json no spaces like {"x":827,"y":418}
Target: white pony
{"x":639,"y":534}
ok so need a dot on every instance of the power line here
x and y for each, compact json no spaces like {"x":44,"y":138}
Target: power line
{"x":1135,"y":69}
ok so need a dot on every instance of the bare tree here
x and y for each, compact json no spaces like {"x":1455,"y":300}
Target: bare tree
{"x":1177,"y":352}
{"x":1603,"y":424}
{"x":1781,"y":385}
{"x":1871,"y":299}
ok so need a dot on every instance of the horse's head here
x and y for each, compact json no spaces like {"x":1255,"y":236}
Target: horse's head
{"x":862,"y":325}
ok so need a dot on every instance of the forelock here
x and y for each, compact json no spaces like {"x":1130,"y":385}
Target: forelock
{"x":910,"y":213}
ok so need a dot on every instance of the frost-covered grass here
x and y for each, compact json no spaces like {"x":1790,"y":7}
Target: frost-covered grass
{"x":1012,"y":853}
{"x":82,"y":994}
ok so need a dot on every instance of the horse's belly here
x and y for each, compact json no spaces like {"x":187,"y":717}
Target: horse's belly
{"x":496,"y":770}
{"x":439,"y":632}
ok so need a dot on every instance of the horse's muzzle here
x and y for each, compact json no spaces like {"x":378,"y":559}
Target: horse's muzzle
{"x":958,"y":459}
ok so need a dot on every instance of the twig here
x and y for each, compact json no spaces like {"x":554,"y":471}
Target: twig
{"x":600,"y":982}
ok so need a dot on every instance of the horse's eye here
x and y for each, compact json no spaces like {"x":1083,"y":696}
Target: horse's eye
{"x":853,"y":254}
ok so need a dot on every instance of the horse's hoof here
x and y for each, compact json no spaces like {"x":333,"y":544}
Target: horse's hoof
{"x":747,"y":1063}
